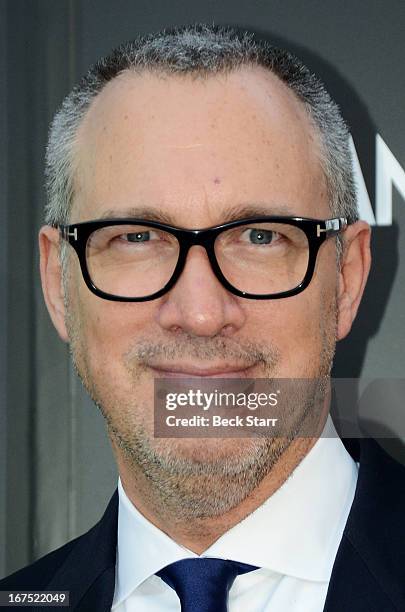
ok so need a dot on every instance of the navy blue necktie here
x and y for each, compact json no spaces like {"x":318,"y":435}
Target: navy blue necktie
{"x":203,"y":584}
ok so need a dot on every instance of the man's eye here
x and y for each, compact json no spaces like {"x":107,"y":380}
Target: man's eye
{"x":143,"y":236}
{"x":136,"y":236}
{"x":259,"y":236}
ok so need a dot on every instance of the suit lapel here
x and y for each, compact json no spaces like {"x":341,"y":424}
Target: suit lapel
{"x":366,"y":575}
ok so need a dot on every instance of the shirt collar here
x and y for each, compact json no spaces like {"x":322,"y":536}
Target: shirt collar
{"x":142,"y":548}
{"x":295,"y":532}
{"x":298,"y":529}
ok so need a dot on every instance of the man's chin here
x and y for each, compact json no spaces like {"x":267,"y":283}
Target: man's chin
{"x":205,"y":450}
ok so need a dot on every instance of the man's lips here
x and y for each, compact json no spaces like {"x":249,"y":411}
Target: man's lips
{"x":184,"y":371}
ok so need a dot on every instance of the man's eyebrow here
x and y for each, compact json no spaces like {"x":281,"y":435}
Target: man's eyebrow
{"x":239,"y":211}
{"x":141,"y":212}
{"x":244,"y":211}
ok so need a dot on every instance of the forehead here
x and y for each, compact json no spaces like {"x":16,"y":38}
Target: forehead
{"x":192,"y":147}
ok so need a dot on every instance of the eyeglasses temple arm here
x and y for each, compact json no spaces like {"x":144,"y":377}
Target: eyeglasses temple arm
{"x":335,"y":226}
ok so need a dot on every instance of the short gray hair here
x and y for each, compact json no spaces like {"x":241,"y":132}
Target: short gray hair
{"x":201,"y":51}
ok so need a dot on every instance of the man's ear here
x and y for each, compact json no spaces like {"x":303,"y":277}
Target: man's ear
{"x":51,"y":278}
{"x":355,"y":266}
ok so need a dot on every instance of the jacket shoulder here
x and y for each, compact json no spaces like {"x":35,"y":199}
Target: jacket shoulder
{"x":37,"y":575}
{"x":78,"y":562}
{"x":371,"y":556}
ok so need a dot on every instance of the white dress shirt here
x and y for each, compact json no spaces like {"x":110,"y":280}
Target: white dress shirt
{"x":292,"y":537}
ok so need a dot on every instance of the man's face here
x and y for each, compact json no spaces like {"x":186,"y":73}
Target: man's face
{"x":195,"y":150}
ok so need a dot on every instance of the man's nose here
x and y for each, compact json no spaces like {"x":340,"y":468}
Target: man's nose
{"x":198,"y":303}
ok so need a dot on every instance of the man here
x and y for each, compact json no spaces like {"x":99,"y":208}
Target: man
{"x":193,"y":129}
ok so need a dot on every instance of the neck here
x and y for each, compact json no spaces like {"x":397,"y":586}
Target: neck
{"x":197,"y":534}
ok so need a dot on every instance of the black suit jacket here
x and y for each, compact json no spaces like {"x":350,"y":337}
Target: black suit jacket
{"x":368,"y":574}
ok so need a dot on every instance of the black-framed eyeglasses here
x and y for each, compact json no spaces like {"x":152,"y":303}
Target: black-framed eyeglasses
{"x":134,"y":260}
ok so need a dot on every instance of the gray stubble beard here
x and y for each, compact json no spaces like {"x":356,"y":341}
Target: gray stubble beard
{"x":186,"y":487}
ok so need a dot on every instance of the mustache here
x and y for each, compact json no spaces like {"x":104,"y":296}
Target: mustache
{"x":248,"y":353}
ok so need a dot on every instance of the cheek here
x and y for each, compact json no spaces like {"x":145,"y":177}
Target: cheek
{"x":108,"y":329}
{"x":115,"y":326}
{"x":301,"y":328}
{"x":298,"y":327}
